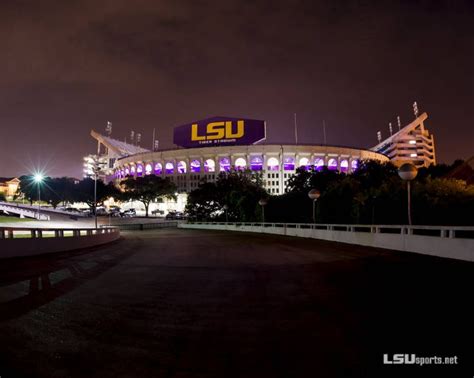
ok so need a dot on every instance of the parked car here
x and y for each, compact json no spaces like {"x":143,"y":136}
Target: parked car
{"x":101,"y":211}
{"x":128,"y":213}
{"x":114,"y":211}
{"x":175,"y":215}
{"x":157,"y":212}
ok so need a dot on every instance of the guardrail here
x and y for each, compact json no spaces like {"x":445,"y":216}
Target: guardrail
{"x":44,"y":208}
{"x":146,"y":226}
{"x":444,"y":241}
{"x":25,"y":212}
{"x":24,"y":241}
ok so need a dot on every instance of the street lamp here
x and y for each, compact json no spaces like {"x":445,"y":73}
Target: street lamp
{"x":226,"y":207}
{"x":408,"y":172}
{"x":38,"y":178}
{"x":93,"y":165}
{"x":263,"y":202}
{"x":314,"y":194}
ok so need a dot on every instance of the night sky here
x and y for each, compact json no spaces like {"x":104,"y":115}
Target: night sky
{"x":69,"y":66}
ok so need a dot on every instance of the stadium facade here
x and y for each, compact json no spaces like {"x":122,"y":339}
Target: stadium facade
{"x":220,"y":144}
{"x":208,"y":147}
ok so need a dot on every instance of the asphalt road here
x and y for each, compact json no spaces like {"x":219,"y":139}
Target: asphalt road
{"x":189,"y":303}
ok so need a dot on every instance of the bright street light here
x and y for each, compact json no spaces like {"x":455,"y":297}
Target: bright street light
{"x":38,"y":178}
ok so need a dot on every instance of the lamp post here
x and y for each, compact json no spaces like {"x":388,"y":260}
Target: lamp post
{"x":314,"y":194}
{"x":408,"y":172}
{"x":92,"y":167}
{"x":38,"y":179}
{"x":263,"y":202}
{"x":226,"y":207}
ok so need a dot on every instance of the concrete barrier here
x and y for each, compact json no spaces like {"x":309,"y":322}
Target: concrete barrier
{"x":18,"y":242}
{"x":442,"y":241}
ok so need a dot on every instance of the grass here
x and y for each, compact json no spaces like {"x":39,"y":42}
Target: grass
{"x":4,"y":219}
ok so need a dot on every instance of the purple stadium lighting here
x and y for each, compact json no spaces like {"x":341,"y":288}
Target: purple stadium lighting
{"x":195,"y":166}
{"x":169,"y":168}
{"x":158,"y":169}
{"x":256,"y":163}
{"x":289,"y":164}
{"x":224,"y":164}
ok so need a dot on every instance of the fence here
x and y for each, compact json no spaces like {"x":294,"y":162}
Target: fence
{"x":443,"y":241}
{"x":21,"y":241}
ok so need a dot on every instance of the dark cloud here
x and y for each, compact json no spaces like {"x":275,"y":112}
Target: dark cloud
{"x":69,"y":66}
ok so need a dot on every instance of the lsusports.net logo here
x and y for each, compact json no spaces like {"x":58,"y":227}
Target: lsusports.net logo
{"x":412,"y":359}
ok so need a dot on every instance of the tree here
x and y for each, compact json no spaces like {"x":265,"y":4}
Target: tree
{"x":57,"y":190}
{"x":147,"y":189}
{"x":27,"y":189}
{"x":84,"y":192}
{"x":239,"y":190}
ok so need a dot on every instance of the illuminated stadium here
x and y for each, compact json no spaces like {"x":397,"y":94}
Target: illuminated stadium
{"x":219,"y":144}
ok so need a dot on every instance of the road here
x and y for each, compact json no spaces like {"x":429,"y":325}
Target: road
{"x":190,"y":303}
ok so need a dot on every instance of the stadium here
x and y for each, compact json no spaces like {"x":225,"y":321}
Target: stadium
{"x":210,"y":146}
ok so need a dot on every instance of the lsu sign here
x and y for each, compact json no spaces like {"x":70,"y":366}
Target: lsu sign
{"x":219,"y":131}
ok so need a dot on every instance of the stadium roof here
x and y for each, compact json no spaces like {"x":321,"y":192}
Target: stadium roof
{"x":120,"y":148}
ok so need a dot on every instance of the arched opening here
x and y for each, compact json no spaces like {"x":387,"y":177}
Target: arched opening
{"x":158,"y":169}
{"x":289,"y":164}
{"x":139,"y":170}
{"x":169,"y":168}
{"x":132,"y":170}
{"x":273,"y":164}
{"x":318,"y":163}
{"x":344,"y":166}
{"x":127,"y":172}
{"x":195,"y":166}
{"x":240,"y":163}
{"x":256,"y":163}
{"x":209,"y":165}
{"x":354,"y":164}
{"x":181,"y":167}
{"x":224,"y":164}
{"x":332,"y":164}
{"x":148,"y":169}
{"x":304,"y":163}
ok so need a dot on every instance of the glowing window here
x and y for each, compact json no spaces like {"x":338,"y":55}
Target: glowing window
{"x":148,"y":169}
{"x":181,"y":167}
{"x":169,"y":168}
{"x":195,"y":166}
{"x":132,"y":170}
{"x":273,"y":164}
{"x":344,"y":166}
{"x":332,"y":164}
{"x":224,"y":164}
{"x":256,"y":163}
{"x":318,"y":163}
{"x":354,"y":164}
{"x":289,"y":164}
{"x":304,"y":163}
{"x":209,"y":165}
{"x":240,"y":163}
{"x":127,"y":172}
{"x":158,"y":169}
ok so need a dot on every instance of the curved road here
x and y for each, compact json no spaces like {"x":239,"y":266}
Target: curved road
{"x":190,"y":303}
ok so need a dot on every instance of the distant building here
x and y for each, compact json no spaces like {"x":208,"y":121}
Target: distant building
{"x":9,"y":186}
{"x":412,"y":144}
